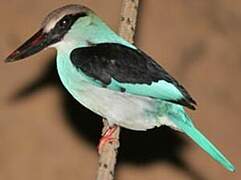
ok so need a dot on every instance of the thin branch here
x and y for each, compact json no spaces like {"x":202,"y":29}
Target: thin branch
{"x":128,"y":19}
{"x":109,"y":151}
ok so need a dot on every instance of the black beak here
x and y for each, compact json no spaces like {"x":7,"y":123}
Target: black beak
{"x":35,"y":44}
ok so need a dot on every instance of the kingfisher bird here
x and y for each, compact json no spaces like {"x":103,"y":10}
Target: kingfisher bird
{"x":113,"y":77}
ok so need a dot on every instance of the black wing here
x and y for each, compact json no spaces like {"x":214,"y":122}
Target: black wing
{"x":107,"y":61}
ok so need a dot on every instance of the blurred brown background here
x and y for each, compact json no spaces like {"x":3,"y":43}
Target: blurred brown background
{"x":46,"y":135}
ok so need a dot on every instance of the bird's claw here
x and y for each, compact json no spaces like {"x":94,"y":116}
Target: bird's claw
{"x":106,"y":138}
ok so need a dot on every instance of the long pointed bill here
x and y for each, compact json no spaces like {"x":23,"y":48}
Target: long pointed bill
{"x":35,"y":44}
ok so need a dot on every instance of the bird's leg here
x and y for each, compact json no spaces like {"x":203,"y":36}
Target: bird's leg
{"x":107,"y":137}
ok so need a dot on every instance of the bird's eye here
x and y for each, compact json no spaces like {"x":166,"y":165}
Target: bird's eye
{"x":67,"y":21}
{"x":64,"y":22}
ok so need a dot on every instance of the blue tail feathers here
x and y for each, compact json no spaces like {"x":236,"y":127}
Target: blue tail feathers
{"x":185,"y":124}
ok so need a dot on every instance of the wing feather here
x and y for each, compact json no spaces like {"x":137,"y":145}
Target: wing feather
{"x":119,"y":67}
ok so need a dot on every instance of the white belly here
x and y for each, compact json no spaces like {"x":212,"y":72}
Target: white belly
{"x":132,"y":112}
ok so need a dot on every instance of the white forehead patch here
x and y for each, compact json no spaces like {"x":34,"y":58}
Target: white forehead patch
{"x":50,"y":21}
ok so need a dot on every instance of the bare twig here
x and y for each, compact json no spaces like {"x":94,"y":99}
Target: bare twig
{"x":108,"y":152}
{"x":128,"y":19}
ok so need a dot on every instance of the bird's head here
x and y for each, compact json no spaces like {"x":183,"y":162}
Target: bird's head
{"x":57,"y":27}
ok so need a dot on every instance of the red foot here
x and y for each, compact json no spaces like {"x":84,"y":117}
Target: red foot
{"x":106,"y":138}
